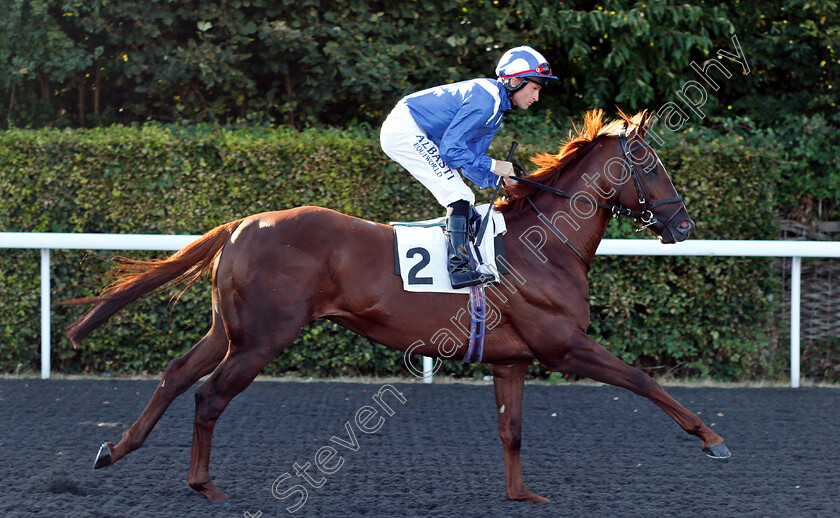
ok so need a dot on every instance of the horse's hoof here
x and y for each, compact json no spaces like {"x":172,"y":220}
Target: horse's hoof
{"x":530,"y":497}
{"x":717,"y":451}
{"x":210,"y":491}
{"x":526,"y":496}
{"x":103,"y":458}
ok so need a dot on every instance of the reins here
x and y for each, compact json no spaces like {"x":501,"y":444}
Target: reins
{"x":645,"y":215}
{"x":616,"y":210}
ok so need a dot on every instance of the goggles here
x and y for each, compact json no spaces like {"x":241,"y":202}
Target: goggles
{"x":544,"y":69}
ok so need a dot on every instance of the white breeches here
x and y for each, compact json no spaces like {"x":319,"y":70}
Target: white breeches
{"x":407,"y":144}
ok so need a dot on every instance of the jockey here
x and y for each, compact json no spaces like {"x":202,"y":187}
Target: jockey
{"x":434,"y":132}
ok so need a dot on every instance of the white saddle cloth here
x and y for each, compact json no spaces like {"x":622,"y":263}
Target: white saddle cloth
{"x":421,"y":250}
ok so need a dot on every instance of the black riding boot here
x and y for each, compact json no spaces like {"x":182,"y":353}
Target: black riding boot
{"x":461,"y":274}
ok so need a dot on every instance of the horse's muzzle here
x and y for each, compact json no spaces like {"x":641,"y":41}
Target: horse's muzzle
{"x":675,"y":227}
{"x":680,"y":228}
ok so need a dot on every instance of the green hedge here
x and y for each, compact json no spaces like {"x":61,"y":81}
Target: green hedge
{"x":689,"y":316}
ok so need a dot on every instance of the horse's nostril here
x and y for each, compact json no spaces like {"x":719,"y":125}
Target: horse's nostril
{"x":684,"y":226}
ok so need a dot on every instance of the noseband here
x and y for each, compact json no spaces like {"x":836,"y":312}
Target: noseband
{"x":645,"y":216}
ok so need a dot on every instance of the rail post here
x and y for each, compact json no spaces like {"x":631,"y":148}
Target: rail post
{"x":45,"y":313}
{"x":428,"y":364}
{"x":795,"y":279}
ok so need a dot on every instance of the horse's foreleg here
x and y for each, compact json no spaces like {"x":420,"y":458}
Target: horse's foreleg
{"x":586,"y":358}
{"x":508,"y":382}
{"x":180,"y":375}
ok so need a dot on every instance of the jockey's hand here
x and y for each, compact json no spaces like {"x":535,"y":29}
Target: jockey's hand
{"x":506,"y":171}
{"x":503,"y":169}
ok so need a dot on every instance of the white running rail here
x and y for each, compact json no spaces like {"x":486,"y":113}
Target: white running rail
{"x":732,"y":248}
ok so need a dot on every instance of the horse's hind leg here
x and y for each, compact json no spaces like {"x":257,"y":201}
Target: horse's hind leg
{"x":509,"y":382}
{"x":248,"y":355}
{"x":180,"y":375}
{"x":586,"y":358}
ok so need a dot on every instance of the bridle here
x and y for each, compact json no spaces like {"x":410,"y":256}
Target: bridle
{"x":645,"y":216}
{"x":644,"y":198}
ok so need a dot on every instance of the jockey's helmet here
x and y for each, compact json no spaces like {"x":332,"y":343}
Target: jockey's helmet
{"x":525,"y":63}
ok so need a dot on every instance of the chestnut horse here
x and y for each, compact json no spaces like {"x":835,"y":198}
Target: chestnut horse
{"x":273,"y":273}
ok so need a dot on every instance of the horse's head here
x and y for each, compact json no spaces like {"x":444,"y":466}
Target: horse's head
{"x":614,"y":159}
{"x":646,"y":188}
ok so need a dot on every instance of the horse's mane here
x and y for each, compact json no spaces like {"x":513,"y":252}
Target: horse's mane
{"x":574,"y":147}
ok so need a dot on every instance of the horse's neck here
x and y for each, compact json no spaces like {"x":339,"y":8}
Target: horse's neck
{"x":584,"y":225}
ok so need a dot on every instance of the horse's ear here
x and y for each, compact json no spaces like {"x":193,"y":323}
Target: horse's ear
{"x":645,"y":122}
{"x":637,"y":124}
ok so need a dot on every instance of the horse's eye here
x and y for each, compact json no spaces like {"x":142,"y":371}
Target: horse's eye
{"x":651,"y":169}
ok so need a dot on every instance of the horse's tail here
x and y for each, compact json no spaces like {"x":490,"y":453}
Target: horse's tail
{"x":136,"y":278}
